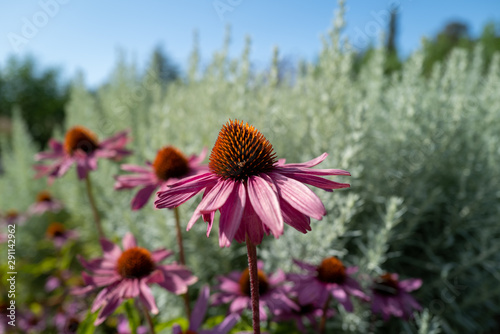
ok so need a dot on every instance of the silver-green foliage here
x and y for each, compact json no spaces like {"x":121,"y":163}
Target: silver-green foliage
{"x":423,"y":154}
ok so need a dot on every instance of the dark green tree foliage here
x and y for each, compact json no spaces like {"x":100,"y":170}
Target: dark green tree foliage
{"x":38,"y":93}
{"x":456,"y":34}
{"x":165,"y":68}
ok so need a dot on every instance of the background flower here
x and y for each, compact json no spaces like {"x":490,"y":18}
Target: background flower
{"x":82,"y":148}
{"x":127,"y":274}
{"x":169,"y":166}
{"x":234,"y":289}
{"x":391,"y":297}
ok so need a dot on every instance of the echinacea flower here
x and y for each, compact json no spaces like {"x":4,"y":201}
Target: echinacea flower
{"x":330,"y":279}
{"x":11,"y":217}
{"x":235,"y":289}
{"x":80,"y":147}
{"x":45,"y":202}
{"x":127,"y":274}
{"x":391,"y":296}
{"x":254,"y":192}
{"x":59,"y":234}
{"x":169,"y":166}
{"x":196,"y":319}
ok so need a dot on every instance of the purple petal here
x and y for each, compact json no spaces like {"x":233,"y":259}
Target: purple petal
{"x":108,"y":309}
{"x":142,"y":196}
{"x":132,"y":181}
{"x":265,"y":203}
{"x":410,"y":284}
{"x":160,"y":254}
{"x":300,"y":197}
{"x":225,"y":326}
{"x":309,"y":163}
{"x":316,"y":181}
{"x":341,"y":295}
{"x":239,"y":304}
{"x":231,"y":214}
{"x":294,"y":218}
{"x":217,"y":196}
{"x":136,"y":169}
{"x":200,"y":309}
{"x":111,"y":251}
{"x":129,"y":241}
{"x":147,"y":297}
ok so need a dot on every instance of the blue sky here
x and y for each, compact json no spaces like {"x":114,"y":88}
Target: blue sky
{"x":87,"y":35}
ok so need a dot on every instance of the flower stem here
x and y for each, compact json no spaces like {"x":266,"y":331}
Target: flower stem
{"x":179,"y":237}
{"x":97,"y":218}
{"x":182,"y":259}
{"x":322,"y":325}
{"x":254,"y":284}
{"x":148,"y":319}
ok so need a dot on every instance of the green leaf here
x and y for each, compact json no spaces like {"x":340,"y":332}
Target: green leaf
{"x":87,"y":325}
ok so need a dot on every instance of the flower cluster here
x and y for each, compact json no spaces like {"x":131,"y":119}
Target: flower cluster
{"x":256,"y":194}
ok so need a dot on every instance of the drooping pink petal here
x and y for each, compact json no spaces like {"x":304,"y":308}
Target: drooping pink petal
{"x":147,"y":297}
{"x":316,"y":181}
{"x":265,"y":204}
{"x":217,"y":196}
{"x":142,"y":196}
{"x":200,"y":309}
{"x":299,"y":196}
{"x":231,"y":214}
{"x":294,"y":218}
{"x":108,"y":309}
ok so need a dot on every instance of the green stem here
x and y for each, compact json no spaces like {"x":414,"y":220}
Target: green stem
{"x":322,"y":325}
{"x":148,"y":319}
{"x":254,"y":284}
{"x":182,"y":259}
{"x":95,"y":212}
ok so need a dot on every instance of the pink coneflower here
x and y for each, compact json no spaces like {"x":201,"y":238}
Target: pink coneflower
{"x":30,"y":322}
{"x":82,"y":148}
{"x":11,"y":217}
{"x":127,"y":274}
{"x":330,"y":279}
{"x":235,"y":289}
{"x":391,"y":297}
{"x":59,"y":234}
{"x":196,"y":319}
{"x":169,"y":166}
{"x":45,"y":202}
{"x":254,"y":192}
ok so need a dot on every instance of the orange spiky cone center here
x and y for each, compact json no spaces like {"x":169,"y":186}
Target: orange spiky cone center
{"x":331,"y":270}
{"x":241,"y":151}
{"x":56,"y":230}
{"x":80,"y":138}
{"x":12,"y":214}
{"x":245,"y":283}
{"x":170,"y":163}
{"x":135,"y":262}
{"x":43,"y":196}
